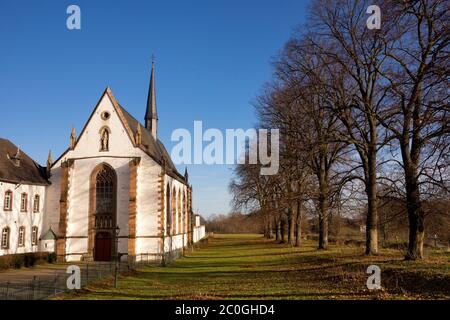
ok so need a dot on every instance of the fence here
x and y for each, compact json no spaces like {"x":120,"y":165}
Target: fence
{"x":40,"y":288}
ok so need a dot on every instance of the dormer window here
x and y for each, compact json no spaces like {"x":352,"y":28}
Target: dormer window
{"x":15,"y":159}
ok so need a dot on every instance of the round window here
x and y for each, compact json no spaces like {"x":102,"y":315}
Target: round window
{"x":106,"y":115}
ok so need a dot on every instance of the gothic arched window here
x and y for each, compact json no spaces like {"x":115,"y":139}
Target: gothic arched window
{"x":104,"y":186}
{"x":104,"y":198}
{"x":168,"y":211}
{"x":185,"y":223}
{"x":180,"y":226}
{"x":174,"y":211}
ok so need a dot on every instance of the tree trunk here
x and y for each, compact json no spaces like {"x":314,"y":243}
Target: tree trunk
{"x":278,"y":231}
{"x":266,"y":225}
{"x":323,"y":209}
{"x":269,"y":227}
{"x":283,"y":230}
{"x":372,"y":211}
{"x":323,"y":231}
{"x":299,"y":218}
{"x":292,"y":214}
{"x":415,"y":216}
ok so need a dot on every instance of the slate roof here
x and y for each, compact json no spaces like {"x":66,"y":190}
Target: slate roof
{"x":153,"y":148}
{"x":49,"y":235}
{"x":29,"y":171}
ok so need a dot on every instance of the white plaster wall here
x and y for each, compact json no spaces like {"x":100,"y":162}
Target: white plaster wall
{"x":15,"y":219}
{"x":88,"y":144}
{"x":173,"y":243}
{"x":199,"y":233}
{"x":147,"y":221}
{"x":48,"y":245}
{"x":78,"y":208}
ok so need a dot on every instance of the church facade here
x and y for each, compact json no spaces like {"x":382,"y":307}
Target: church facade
{"x":115,"y":191}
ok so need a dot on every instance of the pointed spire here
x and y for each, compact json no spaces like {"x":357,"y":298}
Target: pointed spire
{"x":73,"y":139}
{"x":49,"y":163}
{"x":49,"y":158}
{"x":151,"y":115}
{"x":186,"y":175}
{"x":138,"y":135}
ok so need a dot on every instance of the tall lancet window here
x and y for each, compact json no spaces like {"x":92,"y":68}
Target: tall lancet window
{"x":104,"y":139}
{"x":105,"y":199}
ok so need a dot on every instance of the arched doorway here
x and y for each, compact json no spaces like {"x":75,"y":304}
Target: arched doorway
{"x":103,"y":246}
{"x":102,"y":220}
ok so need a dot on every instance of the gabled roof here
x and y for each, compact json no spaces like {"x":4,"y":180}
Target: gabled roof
{"x":154,"y":148}
{"x":49,"y":235}
{"x":28,"y":172}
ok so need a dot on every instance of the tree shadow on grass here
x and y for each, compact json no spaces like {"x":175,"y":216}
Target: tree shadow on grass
{"x":112,"y":295}
{"x":246,"y":255}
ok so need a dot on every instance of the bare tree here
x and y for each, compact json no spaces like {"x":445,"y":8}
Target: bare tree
{"x":346,"y":100}
{"x":352,"y":55}
{"x":418,"y":112}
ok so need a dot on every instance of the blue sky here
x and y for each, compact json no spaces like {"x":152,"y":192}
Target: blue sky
{"x":212,"y":59}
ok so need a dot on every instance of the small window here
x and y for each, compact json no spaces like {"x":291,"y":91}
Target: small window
{"x":34,"y":236}
{"x":5,"y":238}
{"x":21,"y":242}
{"x":106,"y":115}
{"x":23,"y":202}
{"x":36,"y":203}
{"x":8,"y":201}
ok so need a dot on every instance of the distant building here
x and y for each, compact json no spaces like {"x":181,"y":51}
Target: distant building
{"x":199,"y":229}
{"x":115,"y":184}
{"x":23,"y":185}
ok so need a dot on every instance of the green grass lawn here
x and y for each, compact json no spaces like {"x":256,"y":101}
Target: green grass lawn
{"x":250,"y":267}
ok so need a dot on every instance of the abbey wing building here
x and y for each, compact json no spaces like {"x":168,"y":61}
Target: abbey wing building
{"x":115,"y":191}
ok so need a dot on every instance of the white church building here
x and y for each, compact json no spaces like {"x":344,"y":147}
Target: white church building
{"x":114,"y":191}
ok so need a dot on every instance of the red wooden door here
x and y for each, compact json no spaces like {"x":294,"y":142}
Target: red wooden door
{"x":103,"y":247}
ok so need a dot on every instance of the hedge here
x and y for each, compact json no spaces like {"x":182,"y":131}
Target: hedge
{"x":17,"y":261}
